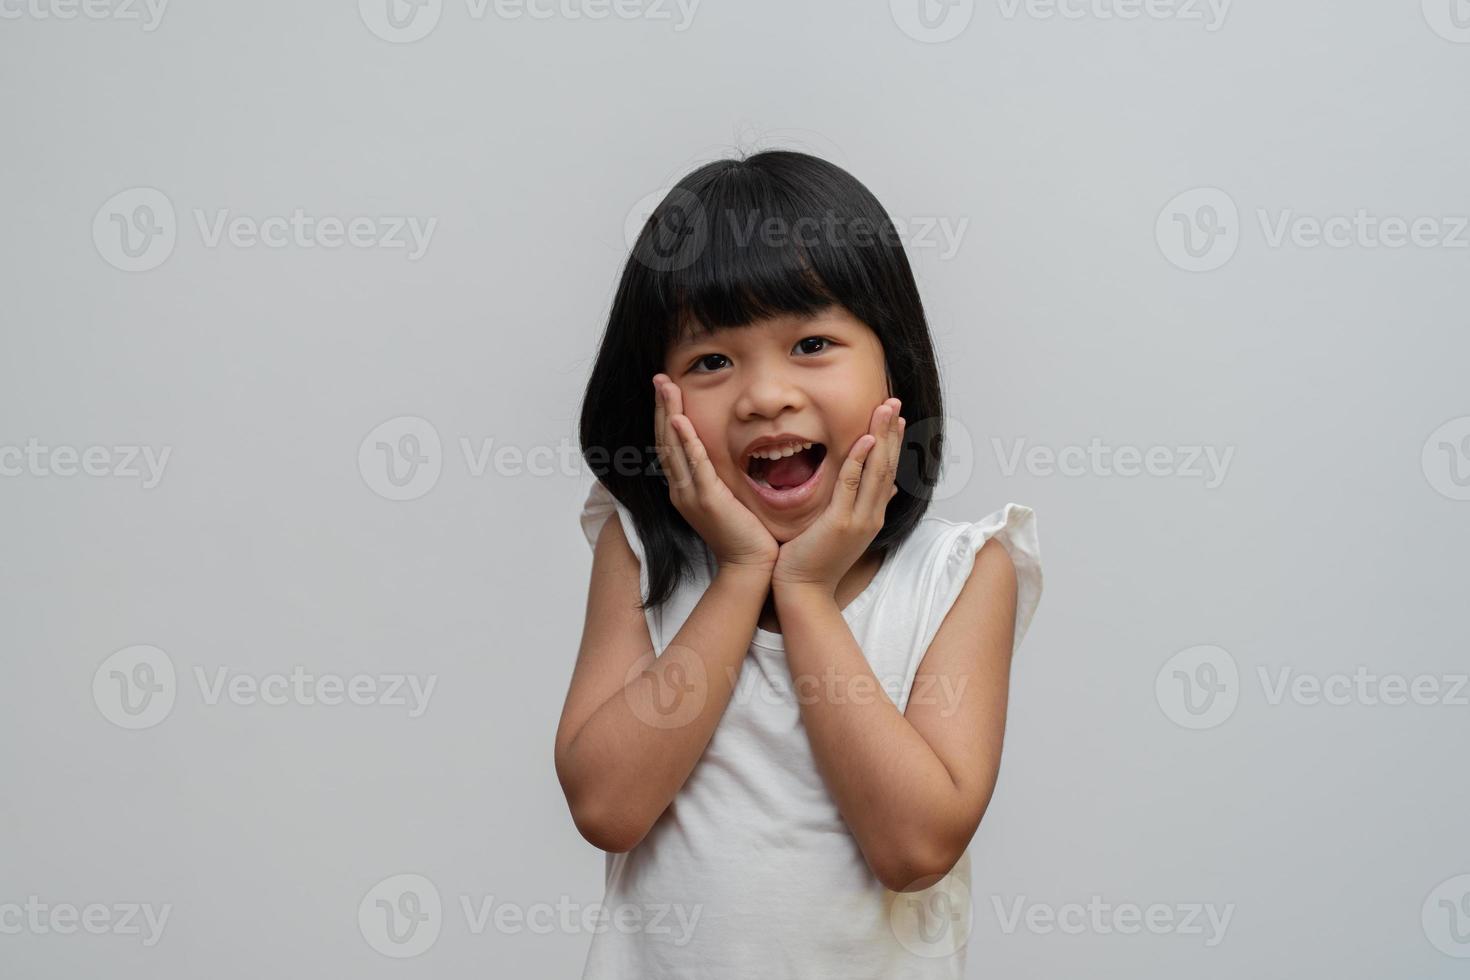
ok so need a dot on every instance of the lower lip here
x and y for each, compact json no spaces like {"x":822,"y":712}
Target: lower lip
{"x":791,"y":496}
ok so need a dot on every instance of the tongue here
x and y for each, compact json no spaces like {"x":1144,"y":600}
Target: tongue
{"x":791,"y":471}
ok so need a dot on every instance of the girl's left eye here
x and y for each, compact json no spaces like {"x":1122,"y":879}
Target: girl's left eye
{"x":699,"y":362}
{"x":822,"y":340}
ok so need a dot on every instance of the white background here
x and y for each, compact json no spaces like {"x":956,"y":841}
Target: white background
{"x":1335,"y":541}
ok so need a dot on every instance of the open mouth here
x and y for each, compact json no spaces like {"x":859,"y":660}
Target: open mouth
{"x":788,"y":471}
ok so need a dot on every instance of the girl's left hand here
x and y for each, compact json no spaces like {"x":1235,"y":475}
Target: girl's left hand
{"x":822,"y":554}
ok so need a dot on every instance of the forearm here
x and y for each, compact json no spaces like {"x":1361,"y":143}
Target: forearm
{"x":638,"y":748}
{"x":893,"y":791}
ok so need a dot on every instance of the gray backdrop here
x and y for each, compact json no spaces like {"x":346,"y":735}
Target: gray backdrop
{"x":298,"y":304}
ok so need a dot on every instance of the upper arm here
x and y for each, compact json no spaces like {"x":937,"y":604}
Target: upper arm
{"x":614,"y":632}
{"x":958,"y":699}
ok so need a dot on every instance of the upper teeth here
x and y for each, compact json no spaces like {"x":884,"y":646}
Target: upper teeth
{"x":777,"y":452}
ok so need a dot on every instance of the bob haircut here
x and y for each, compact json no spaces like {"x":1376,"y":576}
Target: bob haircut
{"x":732,"y":243}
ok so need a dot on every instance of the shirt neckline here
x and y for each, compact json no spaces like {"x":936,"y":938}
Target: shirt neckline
{"x":769,"y":640}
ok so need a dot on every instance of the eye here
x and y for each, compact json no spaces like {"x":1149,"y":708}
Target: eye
{"x":702,"y":364}
{"x":702,"y":360}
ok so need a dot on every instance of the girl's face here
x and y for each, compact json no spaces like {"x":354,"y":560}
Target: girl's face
{"x":818,"y":379}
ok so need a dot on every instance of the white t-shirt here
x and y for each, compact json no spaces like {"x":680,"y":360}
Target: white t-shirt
{"x":751,"y":872}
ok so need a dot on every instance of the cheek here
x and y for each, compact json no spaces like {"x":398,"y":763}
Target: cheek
{"x":850,"y":418}
{"x":849,"y":401}
{"x":859,"y":415}
{"x":709,"y":425}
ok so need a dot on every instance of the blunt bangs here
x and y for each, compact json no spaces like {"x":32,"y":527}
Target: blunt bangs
{"x":730,"y":245}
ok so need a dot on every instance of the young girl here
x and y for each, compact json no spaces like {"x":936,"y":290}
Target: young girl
{"x":785,"y":719}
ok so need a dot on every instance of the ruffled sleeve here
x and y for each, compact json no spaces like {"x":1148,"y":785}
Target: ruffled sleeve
{"x":599,"y":506}
{"x":1015,"y":526}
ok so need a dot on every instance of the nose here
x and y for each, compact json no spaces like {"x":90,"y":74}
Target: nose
{"x":769,"y":393}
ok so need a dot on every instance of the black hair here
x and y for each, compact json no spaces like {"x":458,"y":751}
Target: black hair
{"x":733,"y":242}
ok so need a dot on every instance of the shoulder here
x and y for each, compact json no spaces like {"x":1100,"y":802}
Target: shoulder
{"x":991,"y":585}
{"x":970,"y":550}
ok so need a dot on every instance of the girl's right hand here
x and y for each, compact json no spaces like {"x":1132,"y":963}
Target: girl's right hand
{"x":734,"y":535}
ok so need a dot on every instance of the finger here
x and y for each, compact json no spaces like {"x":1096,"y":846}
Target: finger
{"x":897,"y":457}
{"x":895,"y":452}
{"x":892,"y":481}
{"x":658,"y":426}
{"x":872,"y":494}
{"x":849,"y":477}
{"x":659,"y":418}
{"x":896,"y":429}
{"x":685,"y":437}
{"x":671,"y":451}
{"x":701,"y":469}
{"x":892,"y":445}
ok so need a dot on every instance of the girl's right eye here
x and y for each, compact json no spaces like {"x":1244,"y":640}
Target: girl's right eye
{"x":700,"y":361}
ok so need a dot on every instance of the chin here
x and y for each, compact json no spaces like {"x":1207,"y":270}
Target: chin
{"x":783,"y":529}
{"x":785,"y":532}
